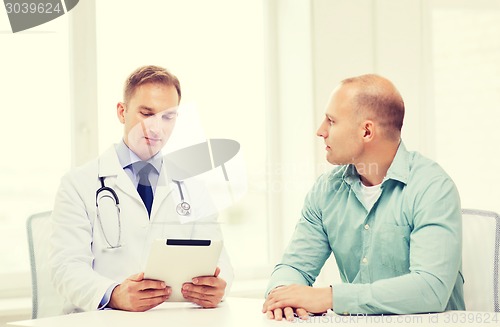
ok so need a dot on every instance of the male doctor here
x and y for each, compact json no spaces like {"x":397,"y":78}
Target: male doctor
{"x":98,"y":252}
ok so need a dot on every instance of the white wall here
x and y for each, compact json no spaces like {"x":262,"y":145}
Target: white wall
{"x":353,"y":37}
{"x":466,"y":74}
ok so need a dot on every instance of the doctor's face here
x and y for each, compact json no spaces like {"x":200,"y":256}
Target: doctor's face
{"x":149,"y":118}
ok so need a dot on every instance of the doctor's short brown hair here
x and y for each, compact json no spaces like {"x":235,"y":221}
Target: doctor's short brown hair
{"x":149,"y":74}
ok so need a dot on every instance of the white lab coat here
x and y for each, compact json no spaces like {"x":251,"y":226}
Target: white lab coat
{"x":83,"y":267}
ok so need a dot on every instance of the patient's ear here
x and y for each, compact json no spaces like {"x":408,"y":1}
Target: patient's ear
{"x":368,"y":130}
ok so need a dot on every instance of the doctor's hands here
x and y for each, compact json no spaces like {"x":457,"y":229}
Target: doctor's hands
{"x":206,"y":291}
{"x":139,"y":294}
{"x":298,"y":299}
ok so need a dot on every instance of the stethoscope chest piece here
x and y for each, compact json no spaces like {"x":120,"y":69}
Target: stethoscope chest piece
{"x":183,"y":208}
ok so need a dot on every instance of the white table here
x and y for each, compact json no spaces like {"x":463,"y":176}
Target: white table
{"x":237,"y":312}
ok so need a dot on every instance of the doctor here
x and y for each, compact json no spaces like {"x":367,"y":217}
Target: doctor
{"x":101,"y":239}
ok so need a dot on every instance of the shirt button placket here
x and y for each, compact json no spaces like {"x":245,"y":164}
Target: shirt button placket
{"x":366,"y":235}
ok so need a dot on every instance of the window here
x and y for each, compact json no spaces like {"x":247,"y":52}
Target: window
{"x":218,"y":58}
{"x":35,"y":136}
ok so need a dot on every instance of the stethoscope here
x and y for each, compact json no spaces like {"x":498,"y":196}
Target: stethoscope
{"x":183,"y":208}
{"x":114,"y":197}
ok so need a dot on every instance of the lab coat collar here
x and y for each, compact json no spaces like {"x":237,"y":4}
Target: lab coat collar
{"x":109,"y":166}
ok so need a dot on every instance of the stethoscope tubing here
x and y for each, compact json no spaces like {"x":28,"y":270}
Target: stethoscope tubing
{"x":113,"y":196}
{"x":183,"y":209}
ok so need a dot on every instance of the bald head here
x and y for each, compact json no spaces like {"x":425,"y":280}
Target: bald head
{"x":376,"y":98}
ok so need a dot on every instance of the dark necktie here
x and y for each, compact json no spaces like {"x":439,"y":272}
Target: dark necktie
{"x":144,"y":187}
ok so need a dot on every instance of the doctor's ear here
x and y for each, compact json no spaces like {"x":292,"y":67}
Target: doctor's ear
{"x":120,"y":109}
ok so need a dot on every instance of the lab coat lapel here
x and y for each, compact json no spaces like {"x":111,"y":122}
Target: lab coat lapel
{"x":163,"y":190}
{"x":109,"y":166}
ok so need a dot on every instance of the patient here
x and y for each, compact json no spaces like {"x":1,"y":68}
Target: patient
{"x":390,"y":216}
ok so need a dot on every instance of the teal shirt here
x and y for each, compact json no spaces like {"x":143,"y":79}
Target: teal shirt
{"x":402,"y":256}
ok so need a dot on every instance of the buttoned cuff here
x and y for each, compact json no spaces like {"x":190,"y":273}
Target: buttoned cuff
{"x":107,"y":297}
{"x":347,"y":298}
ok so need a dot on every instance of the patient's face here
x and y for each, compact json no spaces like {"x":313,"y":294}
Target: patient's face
{"x":341,"y":129}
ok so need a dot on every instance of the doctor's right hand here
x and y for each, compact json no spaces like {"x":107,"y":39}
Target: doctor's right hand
{"x":139,"y":294}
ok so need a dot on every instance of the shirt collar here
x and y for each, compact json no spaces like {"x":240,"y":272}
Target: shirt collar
{"x":350,"y":175}
{"x":400,"y":166}
{"x":399,"y":169}
{"x":127,"y":157}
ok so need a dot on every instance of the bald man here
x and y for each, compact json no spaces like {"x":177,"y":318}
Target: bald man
{"x":391,"y":217}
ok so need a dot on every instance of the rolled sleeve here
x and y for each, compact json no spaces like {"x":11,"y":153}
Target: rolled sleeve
{"x":308,"y":241}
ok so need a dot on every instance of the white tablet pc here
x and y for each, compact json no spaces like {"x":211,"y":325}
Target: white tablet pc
{"x":177,"y":261}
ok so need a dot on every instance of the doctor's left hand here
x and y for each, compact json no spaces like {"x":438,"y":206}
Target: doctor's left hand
{"x":206,"y":291}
